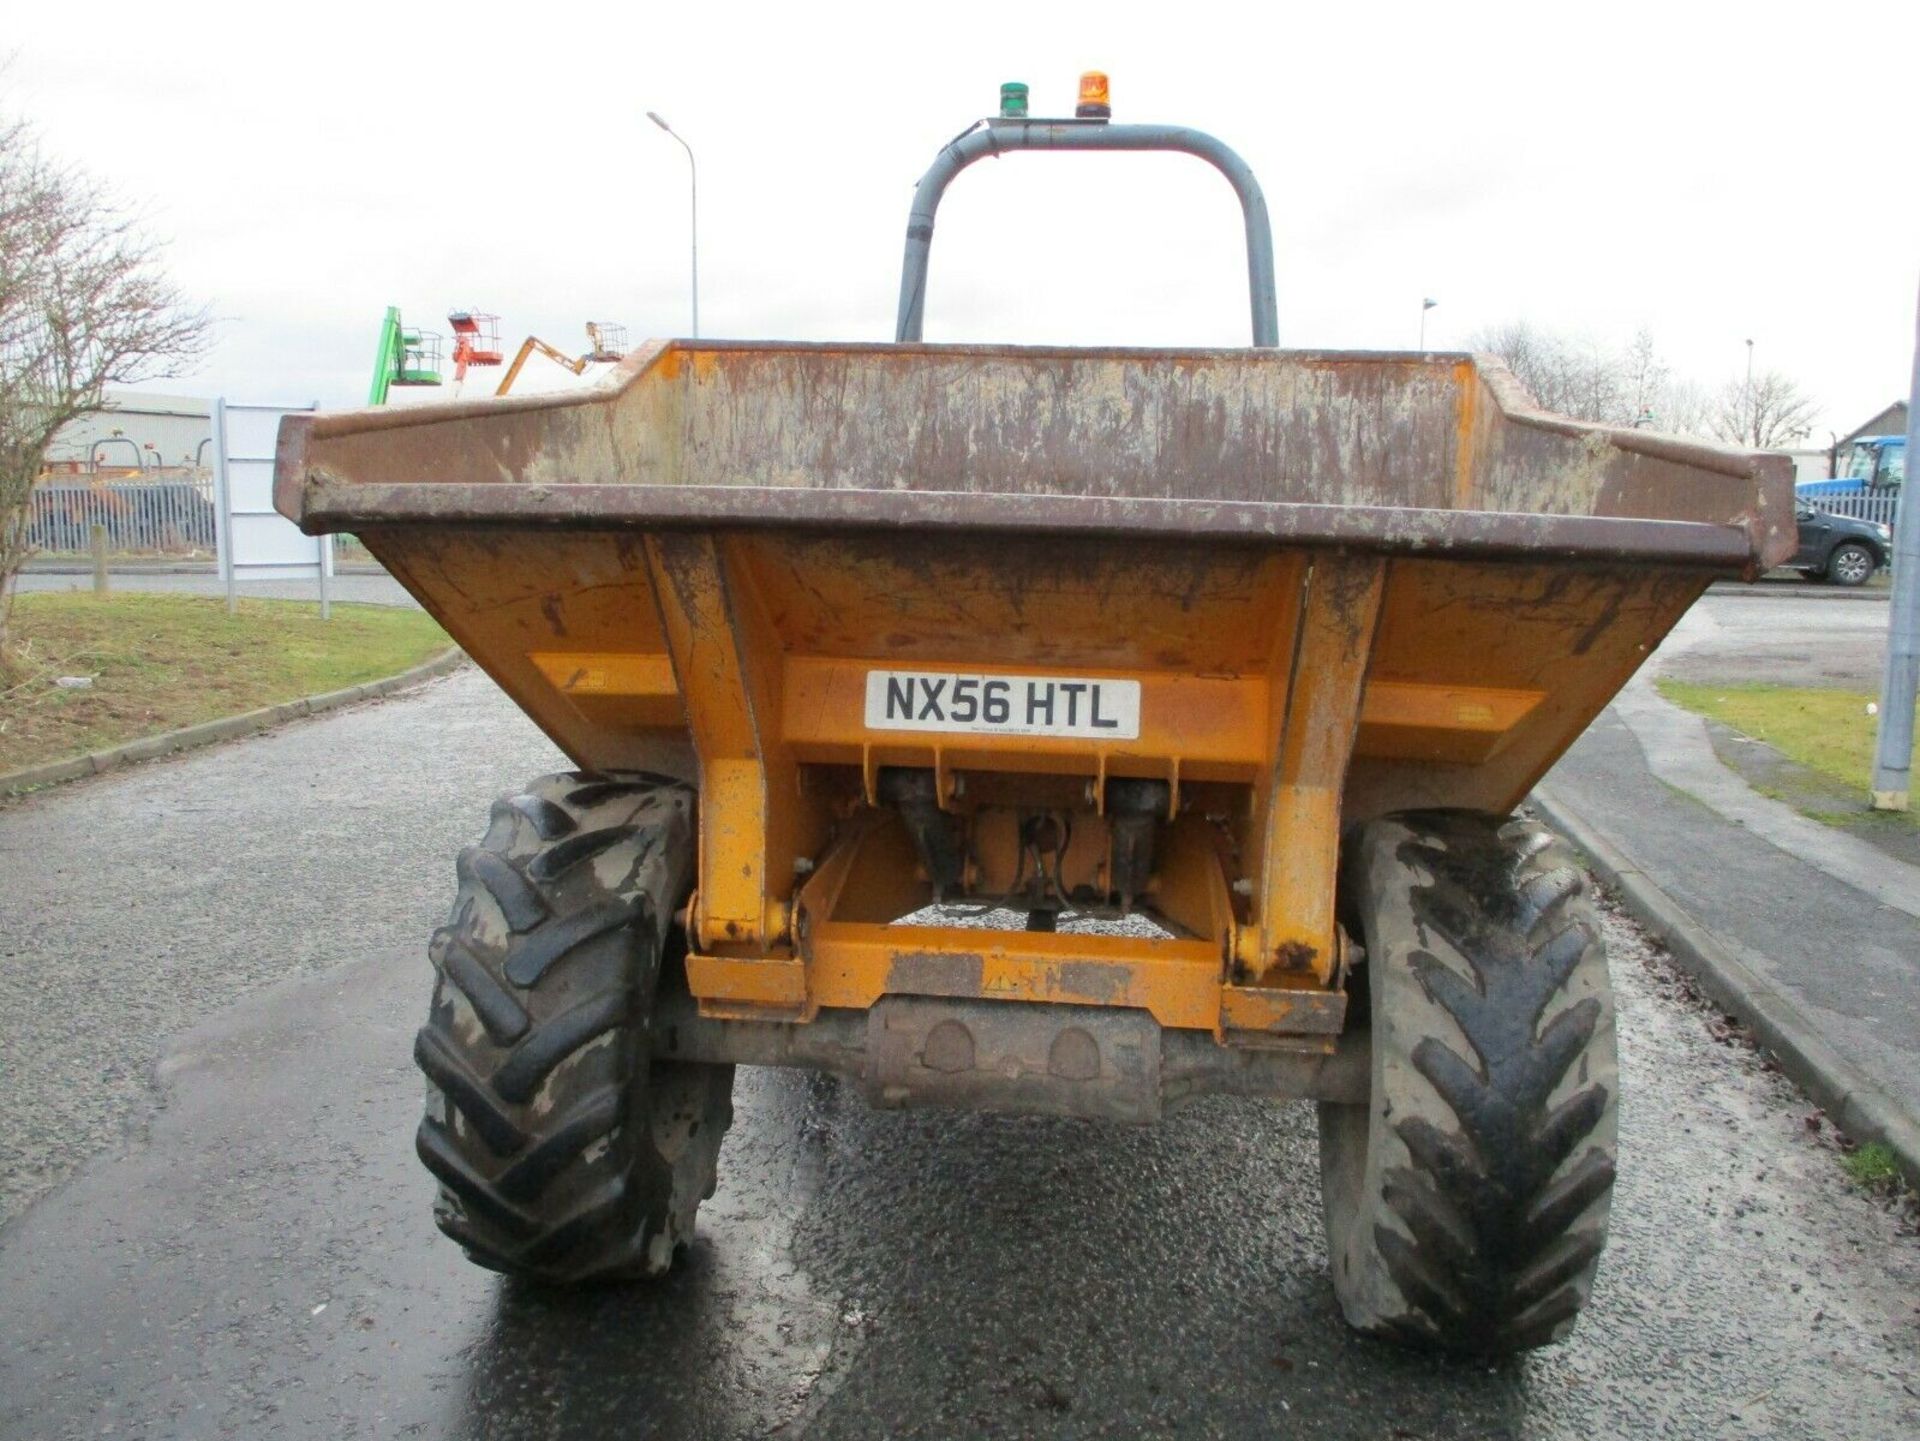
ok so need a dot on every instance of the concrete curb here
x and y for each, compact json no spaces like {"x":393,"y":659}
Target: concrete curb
{"x":229,"y":728}
{"x":1791,"y":590}
{"x":1849,"y":1096}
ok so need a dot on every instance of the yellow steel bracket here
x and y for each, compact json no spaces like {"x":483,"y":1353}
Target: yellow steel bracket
{"x":756,"y":821}
{"x":1317,"y":685}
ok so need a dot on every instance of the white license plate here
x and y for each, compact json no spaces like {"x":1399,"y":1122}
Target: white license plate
{"x":1013,"y":705}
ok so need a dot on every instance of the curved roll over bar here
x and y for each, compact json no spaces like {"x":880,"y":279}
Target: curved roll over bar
{"x":997,"y":136}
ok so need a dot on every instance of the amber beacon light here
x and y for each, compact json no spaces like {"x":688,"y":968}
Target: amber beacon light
{"x":1094,"y":104}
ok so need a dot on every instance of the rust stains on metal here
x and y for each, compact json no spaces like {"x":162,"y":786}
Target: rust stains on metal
{"x":1295,"y":955}
{"x":1229,"y":443}
{"x":329,"y":504}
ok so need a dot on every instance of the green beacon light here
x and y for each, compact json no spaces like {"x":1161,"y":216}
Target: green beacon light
{"x":1013,"y":101}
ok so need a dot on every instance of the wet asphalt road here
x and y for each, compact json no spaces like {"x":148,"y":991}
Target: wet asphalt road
{"x":210,"y":972}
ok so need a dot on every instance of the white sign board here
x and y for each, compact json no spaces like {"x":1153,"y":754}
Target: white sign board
{"x":256,"y":541}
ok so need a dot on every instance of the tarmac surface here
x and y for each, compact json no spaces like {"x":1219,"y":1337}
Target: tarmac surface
{"x":1787,"y":634}
{"x":218,"y":1227}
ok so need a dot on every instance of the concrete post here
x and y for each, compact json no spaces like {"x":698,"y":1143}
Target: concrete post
{"x":97,"y":538}
{"x":223,"y":502}
{"x":1893,"y":750}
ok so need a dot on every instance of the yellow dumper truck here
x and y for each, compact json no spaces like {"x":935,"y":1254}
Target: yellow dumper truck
{"x":1063,"y":731}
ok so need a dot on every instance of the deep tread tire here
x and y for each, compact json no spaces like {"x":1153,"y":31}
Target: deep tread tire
{"x":1466,"y":1204}
{"x":562,"y":1154}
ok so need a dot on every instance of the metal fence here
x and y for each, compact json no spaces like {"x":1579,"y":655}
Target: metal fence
{"x":1879,"y":508}
{"x":171,"y":514}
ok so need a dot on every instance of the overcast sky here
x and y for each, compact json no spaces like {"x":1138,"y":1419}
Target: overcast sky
{"x":1713,"y":172}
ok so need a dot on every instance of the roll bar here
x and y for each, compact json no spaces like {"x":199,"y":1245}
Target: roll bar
{"x":995,"y":136}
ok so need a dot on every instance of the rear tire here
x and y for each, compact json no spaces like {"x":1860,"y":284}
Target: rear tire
{"x":1851,"y":565}
{"x":562,"y":1154}
{"x":1466,"y":1205}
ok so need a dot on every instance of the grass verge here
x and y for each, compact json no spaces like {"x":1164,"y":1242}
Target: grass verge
{"x":1828,"y":731}
{"x":159,"y":662}
{"x":1872,"y":1165}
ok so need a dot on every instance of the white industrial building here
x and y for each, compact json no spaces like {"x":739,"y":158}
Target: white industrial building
{"x":136,"y":429}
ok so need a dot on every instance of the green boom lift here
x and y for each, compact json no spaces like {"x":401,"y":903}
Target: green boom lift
{"x":407,"y":357}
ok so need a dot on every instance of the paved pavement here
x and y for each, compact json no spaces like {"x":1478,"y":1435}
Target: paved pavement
{"x":210,"y":971}
{"x":1680,"y":752}
{"x":1830,"y":921}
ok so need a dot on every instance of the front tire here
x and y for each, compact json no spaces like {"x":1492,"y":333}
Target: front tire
{"x":1851,"y":565}
{"x":1466,"y":1205}
{"x":562,"y":1154}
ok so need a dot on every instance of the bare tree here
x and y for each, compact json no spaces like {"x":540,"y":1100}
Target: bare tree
{"x":1632,"y":386}
{"x":1537,"y":359}
{"x":1682,"y":407}
{"x":1770,"y":412}
{"x":1566,"y":375}
{"x":84,"y":304}
{"x":1644,"y":379}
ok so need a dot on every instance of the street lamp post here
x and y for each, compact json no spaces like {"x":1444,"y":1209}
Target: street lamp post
{"x":1893,"y":745}
{"x":693,"y":180}
{"x":1425,"y":305}
{"x":1753,"y":426}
